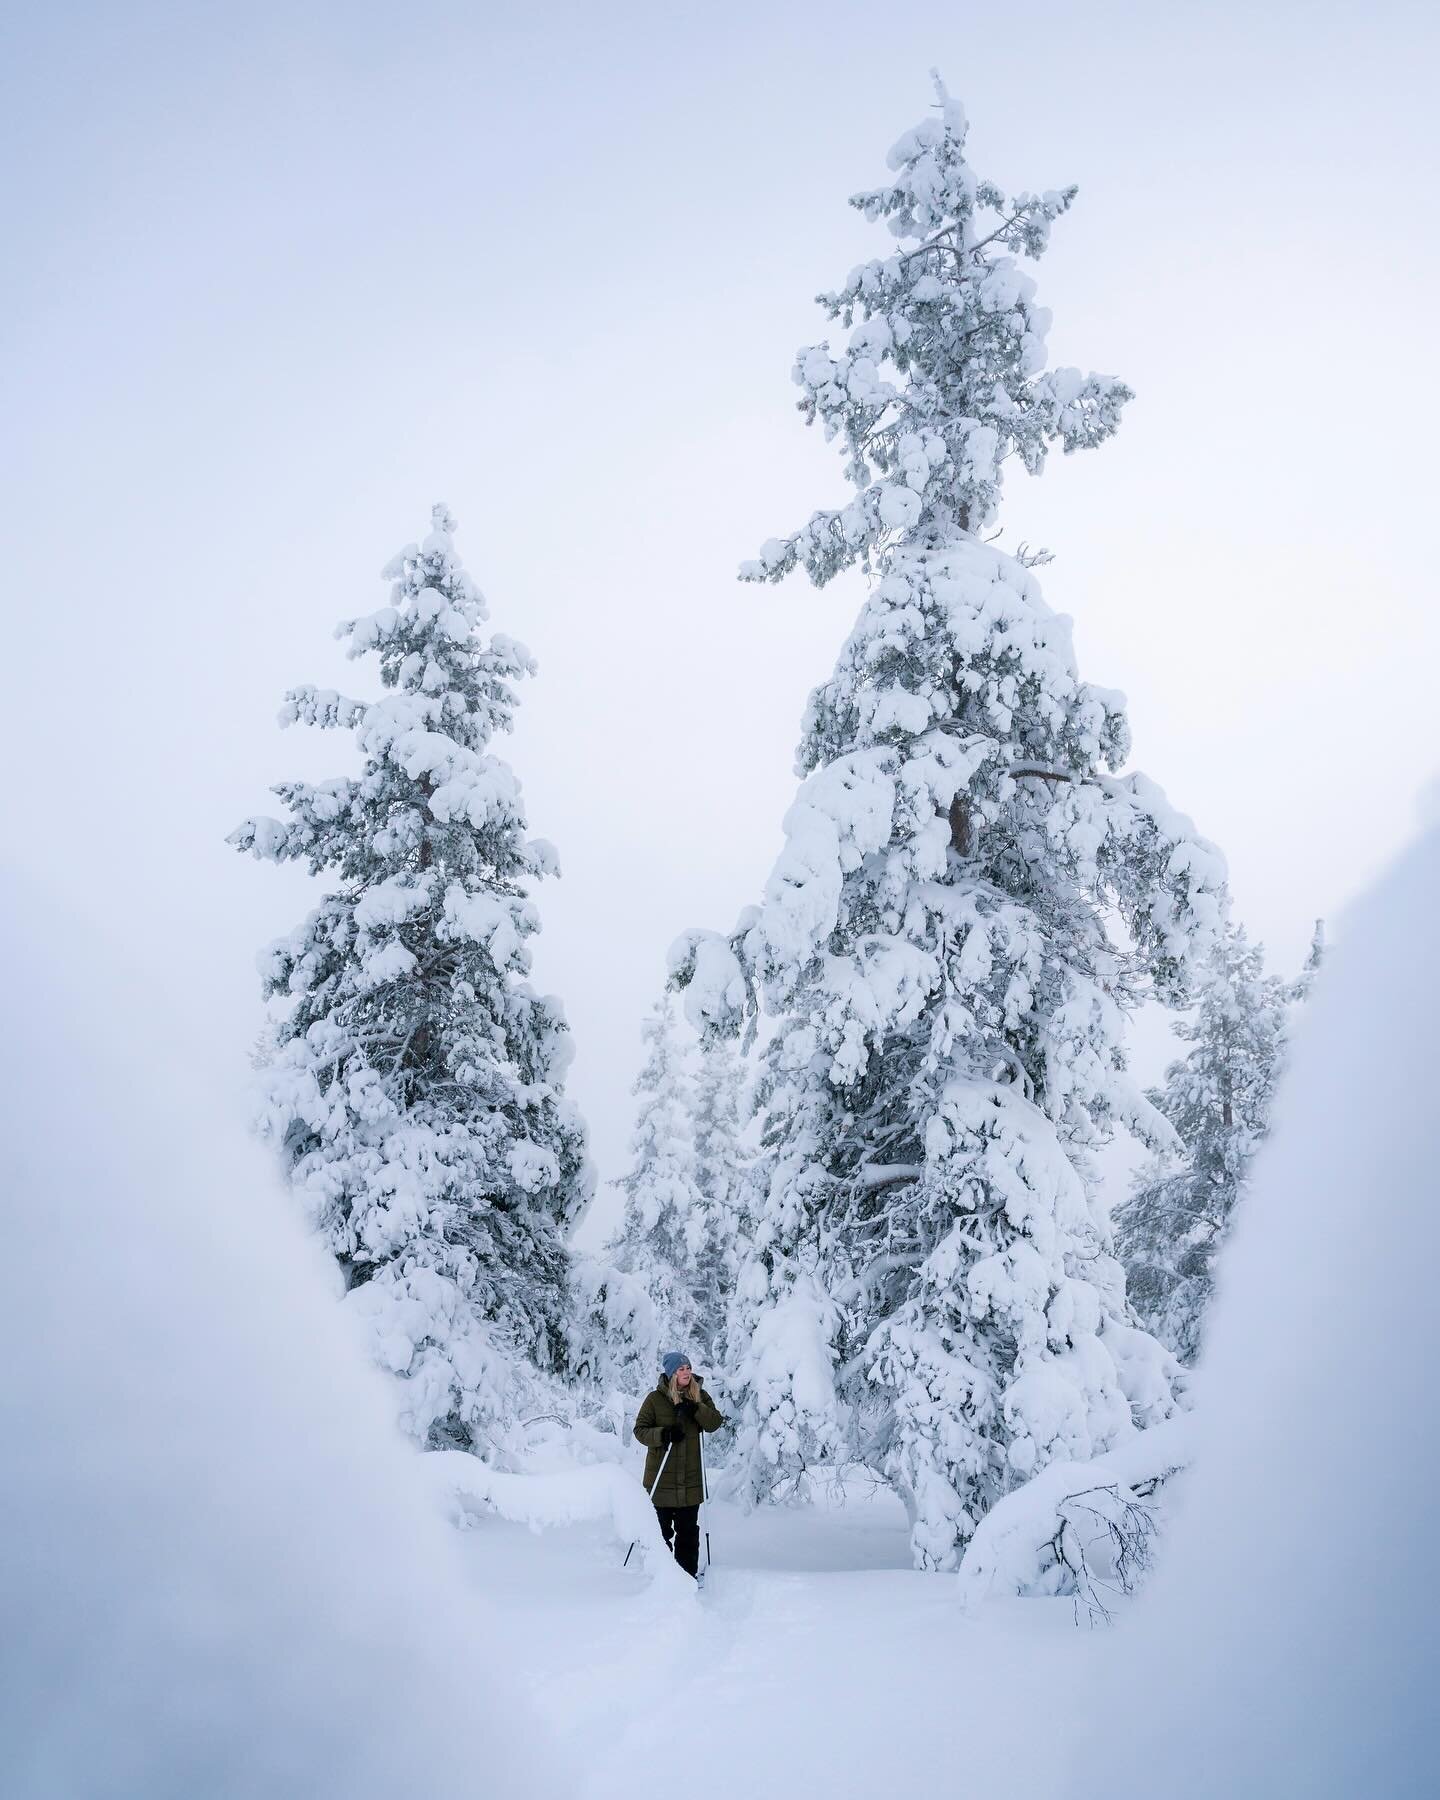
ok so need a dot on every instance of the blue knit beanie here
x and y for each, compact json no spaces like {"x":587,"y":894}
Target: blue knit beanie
{"x":672,"y":1361}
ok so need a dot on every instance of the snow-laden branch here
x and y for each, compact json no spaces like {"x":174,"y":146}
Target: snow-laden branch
{"x":878,"y":1175}
{"x":1014,"y":1549}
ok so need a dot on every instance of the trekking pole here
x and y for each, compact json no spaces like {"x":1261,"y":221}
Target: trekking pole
{"x":650,"y":1495}
{"x":705,"y":1496}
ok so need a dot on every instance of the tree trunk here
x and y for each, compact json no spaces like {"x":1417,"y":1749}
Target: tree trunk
{"x":962,"y":831}
{"x":419,"y":1050}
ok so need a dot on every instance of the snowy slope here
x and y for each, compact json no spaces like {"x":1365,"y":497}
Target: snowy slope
{"x":1298,"y":1612}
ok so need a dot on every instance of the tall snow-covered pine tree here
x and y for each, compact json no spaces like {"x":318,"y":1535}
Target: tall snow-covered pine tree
{"x":412,"y":1079}
{"x":930,"y":1285}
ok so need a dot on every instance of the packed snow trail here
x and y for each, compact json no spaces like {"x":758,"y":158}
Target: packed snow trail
{"x":817,"y":1661}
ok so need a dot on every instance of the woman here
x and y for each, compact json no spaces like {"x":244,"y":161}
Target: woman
{"x":669,"y":1424}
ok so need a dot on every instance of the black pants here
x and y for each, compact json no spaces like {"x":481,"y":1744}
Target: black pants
{"x":680,"y":1528}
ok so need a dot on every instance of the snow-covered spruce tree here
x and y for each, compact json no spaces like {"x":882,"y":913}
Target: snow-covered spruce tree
{"x":1218,"y":1098}
{"x":721,"y":1176}
{"x":969,"y":901}
{"x":1310,"y":968}
{"x":411,"y":1079}
{"x":662,"y":1237}
{"x":614,"y":1336}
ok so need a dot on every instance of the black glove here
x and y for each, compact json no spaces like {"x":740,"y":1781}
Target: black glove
{"x":687,"y":1409}
{"x":675,"y":1434}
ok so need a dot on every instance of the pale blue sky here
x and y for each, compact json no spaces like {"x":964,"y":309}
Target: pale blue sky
{"x":281,"y":276}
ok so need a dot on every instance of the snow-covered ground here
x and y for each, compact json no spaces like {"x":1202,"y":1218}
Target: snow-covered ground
{"x":817,"y":1661}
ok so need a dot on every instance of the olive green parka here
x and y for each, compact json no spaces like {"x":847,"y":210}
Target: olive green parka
{"x":682,"y":1484}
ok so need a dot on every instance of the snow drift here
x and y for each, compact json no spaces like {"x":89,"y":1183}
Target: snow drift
{"x":466,"y":1488}
{"x":219,"y":1573}
{"x":1294,"y":1625}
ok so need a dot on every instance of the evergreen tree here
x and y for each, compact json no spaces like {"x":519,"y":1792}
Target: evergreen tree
{"x":1310,"y":968}
{"x":412,"y":1080}
{"x":929,"y":1288}
{"x":662,"y":1235}
{"x":1218,"y":1098}
{"x":721,"y":1177}
{"x":614,"y":1335}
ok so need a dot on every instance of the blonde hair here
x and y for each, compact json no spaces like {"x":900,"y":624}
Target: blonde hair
{"x":675,"y":1392}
